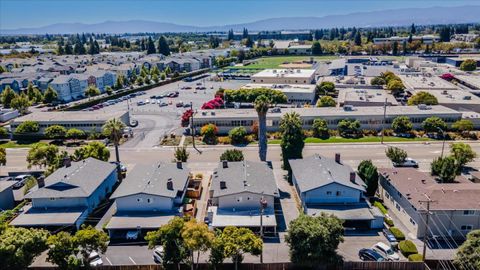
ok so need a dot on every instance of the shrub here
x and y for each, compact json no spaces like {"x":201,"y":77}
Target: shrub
{"x":407,"y":248}
{"x":389,"y":222}
{"x":224,"y":140}
{"x":237,"y":135}
{"x":199,"y":175}
{"x":380,"y":206}
{"x":397,"y":233}
{"x":27,"y":127}
{"x":209,"y":133}
{"x":232,"y":155}
{"x":415,"y":258}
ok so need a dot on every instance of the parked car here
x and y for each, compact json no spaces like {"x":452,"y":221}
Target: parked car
{"x":153,"y":97}
{"x":179,"y":104}
{"x":140,"y":103}
{"x":390,"y":238}
{"x":409,"y":162}
{"x":158,"y":254}
{"x":163,"y":104}
{"x":186,"y":105}
{"x":94,"y":259}
{"x":386,"y":251}
{"x":20,"y":180}
{"x":368,"y":254}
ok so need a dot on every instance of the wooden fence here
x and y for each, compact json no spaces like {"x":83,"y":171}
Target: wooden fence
{"x":274,"y":266}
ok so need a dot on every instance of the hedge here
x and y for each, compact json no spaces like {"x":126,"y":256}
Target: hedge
{"x":415,"y":258}
{"x":380,"y":206}
{"x":389,"y":222}
{"x":7,"y":215}
{"x":397,"y":233}
{"x":407,"y":248}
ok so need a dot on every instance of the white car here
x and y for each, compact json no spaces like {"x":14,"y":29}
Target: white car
{"x":20,"y":180}
{"x":386,"y":251}
{"x":409,"y":162}
{"x":157,"y":254}
{"x":94,"y":259}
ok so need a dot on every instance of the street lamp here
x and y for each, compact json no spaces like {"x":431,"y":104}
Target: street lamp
{"x":443,"y":137}
{"x":263,"y":205}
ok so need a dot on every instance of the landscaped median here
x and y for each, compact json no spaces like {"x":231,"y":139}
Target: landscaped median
{"x":367,"y":139}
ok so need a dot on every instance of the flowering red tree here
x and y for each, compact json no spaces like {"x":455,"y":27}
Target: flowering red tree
{"x":447,"y":77}
{"x":215,"y":103}
{"x":186,"y":117}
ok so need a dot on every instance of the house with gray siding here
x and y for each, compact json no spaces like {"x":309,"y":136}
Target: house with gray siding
{"x":454,"y":210}
{"x":148,"y":198}
{"x":67,"y":196}
{"x":7,"y":201}
{"x":237,"y":191}
{"x":327,"y":185}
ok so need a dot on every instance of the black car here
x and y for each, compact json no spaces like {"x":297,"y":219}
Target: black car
{"x":368,"y":254}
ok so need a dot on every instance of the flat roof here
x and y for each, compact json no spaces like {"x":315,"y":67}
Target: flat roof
{"x":420,"y":82}
{"x":4,"y":184}
{"x":50,"y":217}
{"x":470,"y":79}
{"x":291,"y":88}
{"x":285,"y":73}
{"x":71,"y":116}
{"x":454,"y":97}
{"x":365,"y":96}
{"x":223,"y":218}
{"x":343,"y":212}
{"x":150,"y":220}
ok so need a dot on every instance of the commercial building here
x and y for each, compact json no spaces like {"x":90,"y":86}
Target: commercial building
{"x":471,"y":81}
{"x":365,"y":97}
{"x":284,"y":76}
{"x":296,"y":93}
{"x":369,"y":117}
{"x":326,"y":185}
{"x":86,"y":121}
{"x":427,"y":39}
{"x":454,"y":210}
{"x":457,"y":61}
{"x":148,"y":198}
{"x":67,"y":196}
{"x":237,"y":191}
{"x":418,"y":82}
{"x":459,"y":100}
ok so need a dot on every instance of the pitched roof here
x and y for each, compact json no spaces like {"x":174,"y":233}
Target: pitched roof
{"x":244,"y":176}
{"x":317,"y":171}
{"x":80,"y":179}
{"x":152,"y":179}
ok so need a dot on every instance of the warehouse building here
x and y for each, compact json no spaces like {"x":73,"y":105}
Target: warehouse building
{"x":365,"y":97}
{"x":296,"y":93}
{"x":285,"y":76}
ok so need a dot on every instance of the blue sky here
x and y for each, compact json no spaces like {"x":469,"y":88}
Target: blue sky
{"x":35,"y":13}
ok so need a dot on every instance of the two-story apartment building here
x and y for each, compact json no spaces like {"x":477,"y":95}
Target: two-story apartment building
{"x":454,"y":207}
{"x":237,"y":193}
{"x":326,"y":185}
{"x":148,"y":197}
{"x":66,"y":197}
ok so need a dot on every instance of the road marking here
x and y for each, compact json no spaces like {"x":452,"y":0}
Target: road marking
{"x":106,"y":258}
{"x":132,"y":260}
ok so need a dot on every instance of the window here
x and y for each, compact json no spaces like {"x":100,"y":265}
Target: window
{"x":329,"y":193}
{"x":239,"y":199}
{"x":397,"y":206}
{"x":412,"y":221}
{"x":53,"y":199}
{"x":387,"y":195}
{"x":149,"y":200}
{"x":139,"y":200}
{"x":469,"y":212}
{"x":466,"y":227}
{"x":339,"y":193}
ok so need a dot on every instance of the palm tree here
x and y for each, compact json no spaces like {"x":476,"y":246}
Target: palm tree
{"x":113,"y":129}
{"x":262,"y":104}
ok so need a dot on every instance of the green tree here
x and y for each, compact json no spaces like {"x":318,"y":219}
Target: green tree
{"x":163,"y":76}
{"x":20,"y":246}
{"x":209,"y":133}
{"x":197,"y":238}
{"x":314,"y":240}
{"x":139,"y":81}
{"x":468,"y":65}
{"x":20,"y":103}
{"x":75,"y":134}
{"x":163,"y":47}
{"x":232,"y":155}
{"x":55,"y":132}
{"x":422,"y":98}
{"x":463,"y":125}
{"x":50,"y":95}
{"x":395,"y":86}
{"x":468,"y":255}
{"x":369,"y":174}
{"x":463,"y":154}
{"x":325,"y":88}
{"x":402,"y":124}
{"x":237,"y":135}
{"x":378,"y":81}
{"x":92,"y":91}
{"x":62,"y":251}
{"x":155,"y":78}
{"x":181,"y":154}
{"x":7,"y":96}
{"x":93,"y":149}
{"x":433,"y":124}
{"x":358,"y":39}
{"x":108,"y":90}
{"x":239,"y":241}
{"x":396,"y":155}
{"x":316,"y":48}
{"x":349,"y":128}
{"x":262,"y":103}
{"x":42,"y":155}
{"x":120,"y":82}
{"x":27,"y":127}
{"x":292,"y":138}
{"x":150,"y":46}
{"x":444,"y":168}
{"x":320,"y":128}
{"x":113,"y":129}
{"x":3,"y":156}
{"x":169,"y":236}
{"x":89,"y":240}
{"x":326,"y":101}
{"x":34,"y":95}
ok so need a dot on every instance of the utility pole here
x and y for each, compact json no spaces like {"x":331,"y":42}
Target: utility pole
{"x":263,"y":205}
{"x":384,"y":118}
{"x":427,"y":219}
{"x":443,"y":144}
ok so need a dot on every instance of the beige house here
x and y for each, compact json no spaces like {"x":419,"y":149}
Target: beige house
{"x":454,"y":208}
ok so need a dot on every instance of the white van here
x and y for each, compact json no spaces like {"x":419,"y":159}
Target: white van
{"x":386,"y":251}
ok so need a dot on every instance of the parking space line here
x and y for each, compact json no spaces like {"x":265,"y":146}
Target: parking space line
{"x":106,"y":258}
{"x":132,"y":260}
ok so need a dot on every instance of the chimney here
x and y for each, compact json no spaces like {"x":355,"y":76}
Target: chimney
{"x":225,"y":163}
{"x":337,"y":158}
{"x":41,"y":181}
{"x":353,"y":176}
{"x":179,"y":165}
{"x":67,"y":162}
{"x":223,"y":185}
{"x":169,"y":184}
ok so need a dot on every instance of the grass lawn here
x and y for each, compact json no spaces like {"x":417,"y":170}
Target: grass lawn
{"x":14,"y":144}
{"x":359,"y":140}
{"x":276,"y":61}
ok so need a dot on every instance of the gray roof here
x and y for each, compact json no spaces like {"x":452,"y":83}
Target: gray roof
{"x":244,"y":176}
{"x":4,"y":185}
{"x":152,"y":179}
{"x":344,"y":212}
{"x":317,"y":171}
{"x":81,"y":179}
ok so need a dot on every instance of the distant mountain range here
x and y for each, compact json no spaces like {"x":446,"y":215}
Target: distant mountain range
{"x":395,"y":17}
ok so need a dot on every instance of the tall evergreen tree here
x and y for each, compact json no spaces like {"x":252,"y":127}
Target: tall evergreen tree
{"x":413,"y":31}
{"x":230,"y":34}
{"x":358,"y":39}
{"x":150,"y":46}
{"x":163,"y":47}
